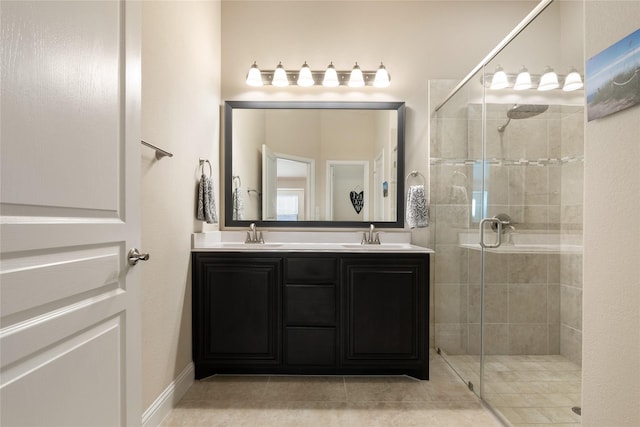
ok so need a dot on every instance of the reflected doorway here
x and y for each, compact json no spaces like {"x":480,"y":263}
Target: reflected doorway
{"x":348,"y":190}
{"x":287,"y":186}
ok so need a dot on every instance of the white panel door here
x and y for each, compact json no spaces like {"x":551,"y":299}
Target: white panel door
{"x":69,"y":205}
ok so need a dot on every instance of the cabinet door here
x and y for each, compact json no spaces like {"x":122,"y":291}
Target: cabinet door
{"x":237,"y":318}
{"x":384,"y":311}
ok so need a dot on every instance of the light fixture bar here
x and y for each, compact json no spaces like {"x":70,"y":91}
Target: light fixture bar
{"x":292,"y":76}
{"x":318,"y":76}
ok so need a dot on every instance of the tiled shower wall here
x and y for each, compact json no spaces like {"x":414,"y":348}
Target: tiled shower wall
{"x":532,"y":301}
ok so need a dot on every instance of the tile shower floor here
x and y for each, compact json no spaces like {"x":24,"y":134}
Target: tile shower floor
{"x":528,"y":390}
{"x":350,"y":401}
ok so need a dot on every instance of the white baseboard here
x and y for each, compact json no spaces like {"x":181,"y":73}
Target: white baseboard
{"x":161,"y":407}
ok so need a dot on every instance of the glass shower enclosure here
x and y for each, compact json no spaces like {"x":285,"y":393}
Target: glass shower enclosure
{"x":506,"y":180}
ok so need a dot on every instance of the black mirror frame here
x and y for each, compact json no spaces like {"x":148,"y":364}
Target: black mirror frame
{"x":228,"y":146}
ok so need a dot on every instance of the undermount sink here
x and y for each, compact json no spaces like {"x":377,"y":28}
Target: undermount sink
{"x":234,"y":245}
{"x":380,"y":247}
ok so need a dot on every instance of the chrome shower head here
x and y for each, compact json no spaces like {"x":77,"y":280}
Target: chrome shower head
{"x":523,"y":111}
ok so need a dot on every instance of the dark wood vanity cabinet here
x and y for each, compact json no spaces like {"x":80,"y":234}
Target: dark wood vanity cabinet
{"x":310,"y":313}
{"x":237,"y":320}
{"x":385,"y":312}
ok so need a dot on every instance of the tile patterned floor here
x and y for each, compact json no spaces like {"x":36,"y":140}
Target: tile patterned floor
{"x":528,"y":390}
{"x":349,"y":401}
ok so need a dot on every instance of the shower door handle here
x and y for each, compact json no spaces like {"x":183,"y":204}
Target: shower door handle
{"x":498,"y":223}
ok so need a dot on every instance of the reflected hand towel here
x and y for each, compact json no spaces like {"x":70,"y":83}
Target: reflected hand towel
{"x":417,"y":212}
{"x":238,"y":204}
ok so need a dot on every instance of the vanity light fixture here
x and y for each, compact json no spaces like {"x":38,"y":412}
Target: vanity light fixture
{"x":499,"y":80}
{"x":254,"y":77}
{"x":280,"y":76}
{"x":382,"y":78}
{"x":523,"y":81}
{"x":356,"y":79}
{"x":331,"y":77}
{"x":306,"y":77}
{"x":573,"y":81}
{"x":549,"y":80}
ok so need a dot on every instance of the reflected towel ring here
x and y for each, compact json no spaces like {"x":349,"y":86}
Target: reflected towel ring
{"x":202,"y":162}
{"x":236,"y":177}
{"x":416,"y":174}
{"x":461,"y":175}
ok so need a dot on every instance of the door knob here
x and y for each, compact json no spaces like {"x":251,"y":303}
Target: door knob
{"x":134,"y":256}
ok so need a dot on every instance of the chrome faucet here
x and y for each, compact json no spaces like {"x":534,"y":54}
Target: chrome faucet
{"x":373,"y":238}
{"x":254,"y":236}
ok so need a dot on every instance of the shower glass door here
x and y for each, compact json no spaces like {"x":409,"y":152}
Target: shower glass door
{"x":508,"y":297}
{"x":532,"y":287}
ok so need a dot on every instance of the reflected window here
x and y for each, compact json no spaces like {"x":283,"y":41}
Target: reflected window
{"x":288,"y":203}
{"x":479,"y":194}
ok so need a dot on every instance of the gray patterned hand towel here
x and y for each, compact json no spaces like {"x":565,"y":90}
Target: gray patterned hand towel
{"x":206,"y":201}
{"x":417,"y":211}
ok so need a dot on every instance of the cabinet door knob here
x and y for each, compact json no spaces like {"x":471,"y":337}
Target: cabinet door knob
{"x":134,"y":256}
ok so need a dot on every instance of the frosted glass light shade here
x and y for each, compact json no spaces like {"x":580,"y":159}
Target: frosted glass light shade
{"x":523,"y":81}
{"x":549,"y":80}
{"x":573,"y":81}
{"x":305,"y":78}
{"x":499,"y":80}
{"x":254,"y":78}
{"x":330,"y":77}
{"x":280,"y":76}
{"x":356,"y":79}
{"x":382,"y":78}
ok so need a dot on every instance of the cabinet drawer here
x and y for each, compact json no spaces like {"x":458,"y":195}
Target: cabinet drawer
{"x":311,"y":346}
{"x":311,"y":270}
{"x":313,"y":305}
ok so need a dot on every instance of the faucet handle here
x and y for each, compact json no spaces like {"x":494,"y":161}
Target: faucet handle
{"x":377,"y":239}
{"x":259,"y":238}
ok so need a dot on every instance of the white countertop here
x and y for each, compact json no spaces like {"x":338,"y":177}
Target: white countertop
{"x":305,"y":241}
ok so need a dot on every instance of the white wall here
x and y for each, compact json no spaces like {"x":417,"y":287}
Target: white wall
{"x":611,"y":315}
{"x":417,"y":40}
{"x":180,"y":113}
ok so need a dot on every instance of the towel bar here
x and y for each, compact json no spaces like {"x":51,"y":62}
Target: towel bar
{"x":160,"y":153}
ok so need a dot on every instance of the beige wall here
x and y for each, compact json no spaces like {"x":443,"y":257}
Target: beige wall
{"x":180,"y":113}
{"x":611,"y":316}
{"x":417,"y":40}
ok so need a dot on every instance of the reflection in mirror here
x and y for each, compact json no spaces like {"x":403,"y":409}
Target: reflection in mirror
{"x":314,"y":164}
{"x":287,"y":186}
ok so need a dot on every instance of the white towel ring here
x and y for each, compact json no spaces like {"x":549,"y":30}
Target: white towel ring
{"x":416,"y":174}
{"x":202,"y":162}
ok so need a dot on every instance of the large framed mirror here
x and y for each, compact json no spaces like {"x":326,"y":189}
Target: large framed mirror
{"x":314,"y":164}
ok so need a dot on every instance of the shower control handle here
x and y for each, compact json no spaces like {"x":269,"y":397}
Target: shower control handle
{"x":495,"y":224}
